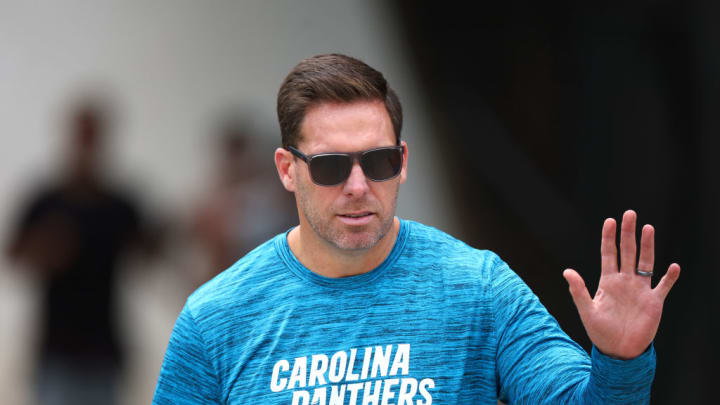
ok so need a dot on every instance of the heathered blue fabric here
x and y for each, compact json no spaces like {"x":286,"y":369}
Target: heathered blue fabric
{"x":437,"y":322}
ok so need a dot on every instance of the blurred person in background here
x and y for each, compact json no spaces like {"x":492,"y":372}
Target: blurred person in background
{"x":355,"y":302}
{"x":243,"y":206}
{"x":72,"y":234}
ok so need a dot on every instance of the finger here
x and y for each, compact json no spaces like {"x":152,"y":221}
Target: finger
{"x":608,"y":250}
{"x":647,"y":250}
{"x":627,"y":242}
{"x":578,"y":291}
{"x":668,"y":280}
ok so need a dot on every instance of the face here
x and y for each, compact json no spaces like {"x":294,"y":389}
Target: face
{"x":357,"y":213}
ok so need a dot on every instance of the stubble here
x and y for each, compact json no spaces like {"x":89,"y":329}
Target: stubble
{"x":326,"y":226}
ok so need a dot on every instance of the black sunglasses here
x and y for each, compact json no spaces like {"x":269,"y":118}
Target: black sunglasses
{"x":330,"y":169}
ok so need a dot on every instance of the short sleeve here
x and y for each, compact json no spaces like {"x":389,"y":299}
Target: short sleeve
{"x":187,"y":375}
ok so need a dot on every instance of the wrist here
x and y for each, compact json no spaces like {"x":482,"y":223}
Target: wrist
{"x":622,"y":357}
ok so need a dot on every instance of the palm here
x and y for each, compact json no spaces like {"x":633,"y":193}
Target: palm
{"x":623,"y":317}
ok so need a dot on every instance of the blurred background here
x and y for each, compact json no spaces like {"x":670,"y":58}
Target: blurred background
{"x":137,"y":138}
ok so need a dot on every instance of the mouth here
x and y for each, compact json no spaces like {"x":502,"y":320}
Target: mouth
{"x":356,"y":218}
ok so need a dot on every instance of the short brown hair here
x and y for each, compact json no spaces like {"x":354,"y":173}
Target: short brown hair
{"x":331,"y":78}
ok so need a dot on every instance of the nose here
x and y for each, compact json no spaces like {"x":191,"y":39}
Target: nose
{"x":356,"y":184}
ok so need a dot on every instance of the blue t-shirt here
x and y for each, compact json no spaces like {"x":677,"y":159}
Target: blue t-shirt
{"x":437,"y":322}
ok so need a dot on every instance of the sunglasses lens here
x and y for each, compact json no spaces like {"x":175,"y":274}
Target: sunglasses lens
{"x":382,"y":164}
{"x":329,"y":170}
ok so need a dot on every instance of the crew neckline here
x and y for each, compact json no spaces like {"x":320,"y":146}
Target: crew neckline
{"x":298,"y":269}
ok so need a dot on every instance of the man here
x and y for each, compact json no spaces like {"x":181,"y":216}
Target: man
{"x":241,"y":207}
{"x":356,"y":306}
{"x":73,"y":234}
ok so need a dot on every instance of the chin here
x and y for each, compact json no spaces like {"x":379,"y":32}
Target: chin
{"x":357,"y":242}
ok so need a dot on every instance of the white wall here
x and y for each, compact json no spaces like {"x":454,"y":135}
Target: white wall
{"x":171,"y":67}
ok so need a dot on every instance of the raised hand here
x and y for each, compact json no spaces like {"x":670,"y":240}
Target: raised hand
{"x":623,"y":317}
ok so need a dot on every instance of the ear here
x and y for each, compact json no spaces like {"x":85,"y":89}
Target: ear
{"x":285,"y":164}
{"x":403,"y":171}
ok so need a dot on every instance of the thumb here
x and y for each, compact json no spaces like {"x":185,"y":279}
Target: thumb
{"x":579,"y":292}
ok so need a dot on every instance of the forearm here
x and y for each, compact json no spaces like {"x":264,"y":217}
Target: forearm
{"x":539,"y":363}
{"x":549,"y":368}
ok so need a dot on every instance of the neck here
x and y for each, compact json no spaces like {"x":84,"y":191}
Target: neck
{"x":329,"y":261}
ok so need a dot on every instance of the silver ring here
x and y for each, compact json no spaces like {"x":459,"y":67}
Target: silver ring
{"x":644,"y":273}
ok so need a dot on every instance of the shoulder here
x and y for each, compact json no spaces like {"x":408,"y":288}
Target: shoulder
{"x":432,"y":247}
{"x":41,"y":201}
{"x":120,"y":198}
{"x":44,"y":195}
{"x":241,"y":283}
